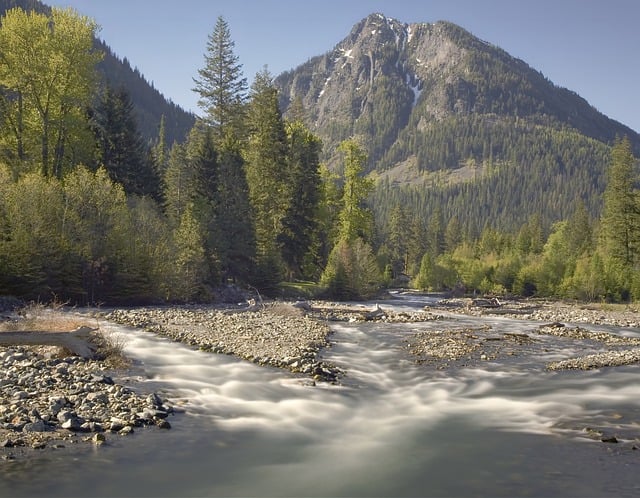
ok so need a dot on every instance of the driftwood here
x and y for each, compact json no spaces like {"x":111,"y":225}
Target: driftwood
{"x":76,"y":341}
{"x":377,"y":312}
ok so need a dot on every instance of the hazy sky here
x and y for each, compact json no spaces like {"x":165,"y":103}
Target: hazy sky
{"x":588,"y":46}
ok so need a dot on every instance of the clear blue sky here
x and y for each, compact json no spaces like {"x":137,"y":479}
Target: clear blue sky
{"x":588,"y":46}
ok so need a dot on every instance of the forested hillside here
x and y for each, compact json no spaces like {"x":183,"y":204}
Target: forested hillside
{"x":452,"y":121}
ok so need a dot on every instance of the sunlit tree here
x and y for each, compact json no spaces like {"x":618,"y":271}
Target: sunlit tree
{"x":47,"y":76}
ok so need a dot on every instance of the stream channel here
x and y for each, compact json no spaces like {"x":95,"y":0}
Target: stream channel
{"x":390,"y":428}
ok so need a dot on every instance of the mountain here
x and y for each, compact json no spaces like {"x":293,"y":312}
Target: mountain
{"x":149,"y":104}
{"x":448,"y":119}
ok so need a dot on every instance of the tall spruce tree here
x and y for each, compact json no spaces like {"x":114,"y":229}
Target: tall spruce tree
{"x":397,"y":240}
{"x":220,"y":84}
{"x":178,"y":184}
{"x":222,"y":94}
{"x":205,"y":196}
{"x":236,"y":245}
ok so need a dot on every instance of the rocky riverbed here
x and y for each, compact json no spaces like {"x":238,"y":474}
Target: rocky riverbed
{"x":282,"y":335}
{"x":50,"y":399}
{"x":460,"y":347}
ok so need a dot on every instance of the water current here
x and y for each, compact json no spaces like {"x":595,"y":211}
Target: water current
{"x":390,"y":428}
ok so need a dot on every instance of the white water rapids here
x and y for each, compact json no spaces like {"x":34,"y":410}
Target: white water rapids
{"x":391,"y":428}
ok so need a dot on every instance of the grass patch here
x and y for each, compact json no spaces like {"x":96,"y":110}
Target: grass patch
{"x":300,"y":290}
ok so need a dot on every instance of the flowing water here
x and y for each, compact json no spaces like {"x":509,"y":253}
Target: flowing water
{"x":392,"y":428}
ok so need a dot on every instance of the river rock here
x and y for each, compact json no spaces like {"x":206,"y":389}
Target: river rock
{"x":37,"y":426}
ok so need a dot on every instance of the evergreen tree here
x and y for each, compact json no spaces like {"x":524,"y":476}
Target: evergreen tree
{"x":416,"y":244}
{"x":453,"y":234}
{"x":435,"y":233}
{"x":579,"y":231}
{"x":178,"y":184}
{"x":122,"y":150}
{"x":160,"y":150}
{"x":300,"y":221}
{"x":267,"y":173}
{"x":220,"y":84}
{"x":205,"y":197}
{"x":621,"y":215}
{"x":397,"y":240}
{"x":190,"y":265}
{"x":236,"y":245}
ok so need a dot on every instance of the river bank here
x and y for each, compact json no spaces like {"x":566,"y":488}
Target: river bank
{"x":52,"y":400}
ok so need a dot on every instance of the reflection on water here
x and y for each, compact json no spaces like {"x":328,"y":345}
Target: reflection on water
{"x":393,"y":428}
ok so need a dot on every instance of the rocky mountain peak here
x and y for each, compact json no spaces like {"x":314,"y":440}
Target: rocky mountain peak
{"x":387,"y":79}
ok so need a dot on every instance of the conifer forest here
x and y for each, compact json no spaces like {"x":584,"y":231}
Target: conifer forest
{"x":95,"y":208}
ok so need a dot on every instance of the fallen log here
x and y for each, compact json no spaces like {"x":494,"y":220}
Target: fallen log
{"x":77,"y":341}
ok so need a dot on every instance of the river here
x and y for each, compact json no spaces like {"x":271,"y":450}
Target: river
{"x":390,"y":428}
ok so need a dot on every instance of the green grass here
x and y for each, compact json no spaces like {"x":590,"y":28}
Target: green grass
{"x":299,"y":290}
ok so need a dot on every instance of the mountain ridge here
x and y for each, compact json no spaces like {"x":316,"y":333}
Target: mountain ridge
{"x":438,"y":69}
{"x":455,"y":125}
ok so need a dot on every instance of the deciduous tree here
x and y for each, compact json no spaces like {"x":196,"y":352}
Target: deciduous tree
{"x":47,"y":73}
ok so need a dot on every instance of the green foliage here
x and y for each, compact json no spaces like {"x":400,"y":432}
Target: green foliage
{"x":47,"y":77}
{"x":236,"y":245}
{"x":220,"y":84}
{"x":356,"y":220}
{"x":621,"y":215}
{"x":121,"y":148}
{"x":266,"y":157}
{"x":300,"y":222}
{"x":190,"y":265}
{"x":352,"y":271}
{"x":245,"y":198}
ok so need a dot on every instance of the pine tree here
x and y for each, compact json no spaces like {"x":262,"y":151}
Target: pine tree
{"x":579,"y":231}
{"x":220,"y":84}
{"x":397,"y":239}
{"x":178,"y":184}
{"x":222,"y":94}
{"x":190,"y":267}
{"x":236,"y":245}
{"x":206,"y":176}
